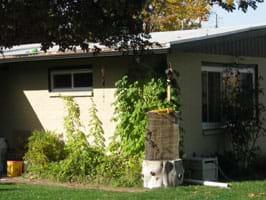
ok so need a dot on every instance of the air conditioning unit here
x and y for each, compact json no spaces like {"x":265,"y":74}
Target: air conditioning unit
{"x":201,"y":168}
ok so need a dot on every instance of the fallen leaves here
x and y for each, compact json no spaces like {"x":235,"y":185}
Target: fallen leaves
{"x":253,"y":195}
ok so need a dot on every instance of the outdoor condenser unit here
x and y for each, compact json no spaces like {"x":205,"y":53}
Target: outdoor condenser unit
{"x":201,"y":168}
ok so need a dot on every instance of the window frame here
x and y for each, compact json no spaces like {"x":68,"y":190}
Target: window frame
{"x":70,"y":71}
{"x":242,"y":68}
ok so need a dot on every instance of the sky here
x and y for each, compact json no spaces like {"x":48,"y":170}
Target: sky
{"x":237,"y":17}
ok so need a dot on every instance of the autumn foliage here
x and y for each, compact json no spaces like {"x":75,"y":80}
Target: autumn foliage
{"x":176,"y":14}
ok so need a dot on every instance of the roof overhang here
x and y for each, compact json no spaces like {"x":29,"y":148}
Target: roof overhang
{"x":77,"y":55}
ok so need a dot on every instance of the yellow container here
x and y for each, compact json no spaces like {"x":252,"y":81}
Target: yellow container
{"x":14,"y":168}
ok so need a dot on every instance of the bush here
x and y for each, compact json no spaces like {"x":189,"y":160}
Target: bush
{"x":230,"y":170}
{"x":243,"y":117}
{"x":119,"y":171}
{"x":81,"y":161}
{"x":78,"y":160}
{"x":228,"y":166}
{"x":44,"y":147}
{"x":133,"y":101}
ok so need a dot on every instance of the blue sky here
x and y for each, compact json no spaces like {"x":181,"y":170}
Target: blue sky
{"x":226,"y":19}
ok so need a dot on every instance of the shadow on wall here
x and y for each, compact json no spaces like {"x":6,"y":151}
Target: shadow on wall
{"x":17,"y":117}
{"x":25,"y":85}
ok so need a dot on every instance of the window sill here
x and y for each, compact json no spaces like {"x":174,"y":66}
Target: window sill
{"x":207,"y":132}
{"x":71,"y":94}
{"x":212,"y":128}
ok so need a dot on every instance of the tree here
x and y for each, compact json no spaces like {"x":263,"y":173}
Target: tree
{"x":176,"y":14}
{"x":231,"y":5}
{"x":243,"y":115}
{"x":69,"y":23}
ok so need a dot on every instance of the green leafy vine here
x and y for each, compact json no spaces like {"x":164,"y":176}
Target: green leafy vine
{"x":95,"y":127}
{"x":133,"y":101}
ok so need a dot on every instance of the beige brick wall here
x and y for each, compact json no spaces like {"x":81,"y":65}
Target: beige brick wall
{"x":28,"y":105}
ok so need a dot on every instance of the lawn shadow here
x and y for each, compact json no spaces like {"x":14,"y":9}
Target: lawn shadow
{"x":6,"y":189}
{"x":251,"y":175}
{"x":7,"y":183}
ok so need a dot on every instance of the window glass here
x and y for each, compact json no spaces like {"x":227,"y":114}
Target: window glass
{"x":71,"y":80}
{"x":211,"y":96}
{"x":247,"y":94}
{"x":214,"y":97}
{"x":204,"y":96}
{"x":218,"y":83}
{"x":62,"y":81}
{"x":82,"y":79}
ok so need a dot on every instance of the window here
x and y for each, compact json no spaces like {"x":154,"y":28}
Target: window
{"x":71,"y":80}
{"x":214,"y":87}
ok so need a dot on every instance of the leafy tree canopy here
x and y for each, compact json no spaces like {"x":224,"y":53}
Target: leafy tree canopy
{"x":176,"y":14}
{"x":70,"y":23}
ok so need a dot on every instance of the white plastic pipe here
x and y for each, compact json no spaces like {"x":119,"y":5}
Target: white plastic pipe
{"x":208,"y":183}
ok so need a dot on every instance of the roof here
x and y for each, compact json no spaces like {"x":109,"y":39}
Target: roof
{"x":33,"y":52}
{"x":184,"y":36}
{"x":166,"y":39}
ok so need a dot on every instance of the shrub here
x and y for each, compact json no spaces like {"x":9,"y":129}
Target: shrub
{"x":80,"y":165}
{"x":118,"y":170}
{"x":78,"y":160}
{"x":133,"y":101}
{"x":44,"y":147}
{"x":243,"y":117}
{"x":228,"y":166}
{"x":82,"y":159}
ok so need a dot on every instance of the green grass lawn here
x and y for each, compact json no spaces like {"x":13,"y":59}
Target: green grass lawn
{"x":239,"y":190}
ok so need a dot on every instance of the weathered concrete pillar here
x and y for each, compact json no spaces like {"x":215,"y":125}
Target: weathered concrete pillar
{"x":162,"y":166}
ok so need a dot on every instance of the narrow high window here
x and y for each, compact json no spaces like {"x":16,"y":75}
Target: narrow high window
{"x":71,"y":80}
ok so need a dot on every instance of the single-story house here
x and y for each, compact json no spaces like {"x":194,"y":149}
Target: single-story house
{"x":31,"y":82}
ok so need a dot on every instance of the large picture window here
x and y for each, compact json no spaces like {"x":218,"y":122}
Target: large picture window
{"x":71,"y":80}
{"x":216,"y":82}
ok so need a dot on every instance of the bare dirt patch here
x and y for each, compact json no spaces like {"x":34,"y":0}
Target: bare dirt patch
{"x":69,"y":185}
